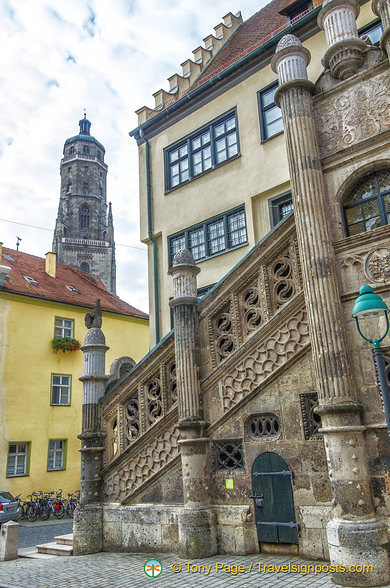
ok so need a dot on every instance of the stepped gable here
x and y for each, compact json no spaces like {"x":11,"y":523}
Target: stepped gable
{"x":234,"y":39}
{"x":88,"y":286}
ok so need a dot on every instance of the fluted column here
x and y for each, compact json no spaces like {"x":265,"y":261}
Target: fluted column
{"x":88,"y":519}
{"x":345,"y":52}
{"x":341,"y":424}
{"x":382,"y":9}
{"x":197,"y":534}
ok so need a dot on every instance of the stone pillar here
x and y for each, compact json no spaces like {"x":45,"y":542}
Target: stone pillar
{"x":88,"y":522}
{"x":354,"y":535}
{"x":9,"y":541}
{"x":382,"y":9}
{"x":345,"y":52}
{"x":197,"y":534}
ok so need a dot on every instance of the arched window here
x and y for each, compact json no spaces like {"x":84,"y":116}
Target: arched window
{"x":85,"y":215}
{"x":367,"y":206}
{"x":71,"y":150}
{"x":84,"y":267}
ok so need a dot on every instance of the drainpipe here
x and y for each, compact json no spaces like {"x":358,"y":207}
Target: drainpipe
{"x":150,"y":235}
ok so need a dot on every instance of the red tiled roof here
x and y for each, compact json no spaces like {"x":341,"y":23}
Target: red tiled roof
{"x":252,"y":33}
{"x":89,"y":287}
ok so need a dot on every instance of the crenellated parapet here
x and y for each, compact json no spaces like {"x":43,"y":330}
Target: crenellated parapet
{"x":192,"y":68}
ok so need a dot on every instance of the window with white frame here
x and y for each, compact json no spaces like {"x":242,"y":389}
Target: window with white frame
{"x":60,"y":390}
{"x":271,"y":123}
{"x":202,"y":151}
{"x":212,"y":237}
{"x":63,"y":328}
{"x":17,"y":459}
{"x":55,"y":459}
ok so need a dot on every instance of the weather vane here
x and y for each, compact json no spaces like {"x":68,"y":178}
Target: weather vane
{"x":85,"y":112}
{"x":18,"y":239}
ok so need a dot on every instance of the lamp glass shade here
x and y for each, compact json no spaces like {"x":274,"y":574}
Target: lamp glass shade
{"x":368,"y":304}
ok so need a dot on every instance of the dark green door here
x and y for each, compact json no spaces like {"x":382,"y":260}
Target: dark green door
{"x":274,"y":505}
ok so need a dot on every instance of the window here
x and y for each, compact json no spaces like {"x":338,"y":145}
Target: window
{"x":373,"y":31}
{"x":73,"y":290}
{"x":56,"y":458}
{"x":271,"y":123}
{"x":69,"y":189}
{"x":31,"y":280}
{"x":69,"y":170}
{"x":85,"y":168}
{"x":214,"y":236}
{"x":201,"y":293}
{"x":99,"y":155}
{"x":85,"y":215}
{"x":201,"y":151}
{"x":85,"y":188}
{"x":297,"y":8}
{"x":63,"y":328}
{"x":86,"y":149}
{"x":84,"y":267}
{"x":367,"y":206}
{"x":279,"y":207}
{"x":17,"y":459}
{"x":60,"y":390}
{"x":228,"y":455}
{"x":71,"y":150}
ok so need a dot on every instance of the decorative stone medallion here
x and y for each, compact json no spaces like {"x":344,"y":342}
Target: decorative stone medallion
{"x":377,"y":266}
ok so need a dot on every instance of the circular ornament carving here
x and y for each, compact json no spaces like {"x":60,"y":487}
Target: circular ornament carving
{"x":377,"y":266}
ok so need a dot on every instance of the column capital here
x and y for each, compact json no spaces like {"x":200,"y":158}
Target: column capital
{"x":290,"y":60}
{"x":184,"y":262}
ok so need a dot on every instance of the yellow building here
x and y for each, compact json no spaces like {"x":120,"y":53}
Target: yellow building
{"x":217,"y":124}
{"x":40,"y":391}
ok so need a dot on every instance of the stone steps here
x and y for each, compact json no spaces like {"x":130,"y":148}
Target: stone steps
{"x":62,"y":546}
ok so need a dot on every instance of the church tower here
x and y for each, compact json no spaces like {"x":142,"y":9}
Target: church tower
{"x":84,"y":231}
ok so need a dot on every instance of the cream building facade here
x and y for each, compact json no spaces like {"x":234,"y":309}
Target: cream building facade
{"x":192,"y":108}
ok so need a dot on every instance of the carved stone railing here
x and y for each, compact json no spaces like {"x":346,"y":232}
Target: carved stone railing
{"x":140,"y":400}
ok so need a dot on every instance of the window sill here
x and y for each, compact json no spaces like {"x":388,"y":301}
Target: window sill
{"x":17,"y":475}
{"x":57,"y":470}
{"x":270,"y":138}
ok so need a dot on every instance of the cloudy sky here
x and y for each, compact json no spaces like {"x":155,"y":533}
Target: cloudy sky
{"x":57,"y":58}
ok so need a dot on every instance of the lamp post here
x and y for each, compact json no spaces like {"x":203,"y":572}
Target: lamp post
{"x":368,"y":304}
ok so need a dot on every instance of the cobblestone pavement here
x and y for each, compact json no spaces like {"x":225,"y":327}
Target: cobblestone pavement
{"x":117,"y":570}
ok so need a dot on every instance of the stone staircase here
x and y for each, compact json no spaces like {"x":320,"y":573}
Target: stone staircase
{"x":63,"y":545}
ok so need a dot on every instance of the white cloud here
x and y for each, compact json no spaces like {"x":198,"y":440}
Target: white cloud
{"x":57,"y":58}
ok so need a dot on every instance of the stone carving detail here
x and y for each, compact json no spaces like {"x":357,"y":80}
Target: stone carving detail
{"x":351,"y":261}
{"x":271,"y":354}
{"x":224,"y":335}
{"x":172,"y":384}
{"x":355,"y":115}
{"x":262,"y":426}
{"x":228,"y":455}
{"x":253,"y":316}
{"x":132,"y":429}
{"x":142,"y":465}
{"x":377,"y":266}
{"x":154,"y":400}
{"x":281,"y":280}
{"x":311,"y":420}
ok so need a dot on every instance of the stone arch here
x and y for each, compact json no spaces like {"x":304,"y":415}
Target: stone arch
{"x":119,"y":368}
{"x":84,"y":267}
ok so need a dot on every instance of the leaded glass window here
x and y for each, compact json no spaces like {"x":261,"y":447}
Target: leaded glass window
{"x":367,"y":206}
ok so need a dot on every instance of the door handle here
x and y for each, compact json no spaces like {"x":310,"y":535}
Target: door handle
{"x":259,"y":500}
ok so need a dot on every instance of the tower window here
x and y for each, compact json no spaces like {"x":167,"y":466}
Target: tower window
{"x":100,"y":191}
{"x":368,"y":204}
{"x":71,"y":150}
{"x":86,"y":149}
{"x":85,"y":188}
{"x":85,"y":168}
{"x":85,"y":215}
{"x":69,"y":189}
{"x":69,"y":170}
{"x":84,"y":267}
{"x":99,"y":155}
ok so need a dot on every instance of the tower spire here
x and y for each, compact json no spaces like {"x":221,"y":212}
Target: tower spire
{"x":85,"y":125}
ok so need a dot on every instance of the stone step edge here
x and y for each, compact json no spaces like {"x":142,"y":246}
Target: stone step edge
{"x":55,"y":549}
{"x":64,"y":539}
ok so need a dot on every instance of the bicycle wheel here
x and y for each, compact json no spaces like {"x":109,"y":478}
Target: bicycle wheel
{"x":70,"y":509}
{"x":59,"y":510}
{"x":22,"y":512}
{"x":44,"y":512}
{"x":31,"y":513}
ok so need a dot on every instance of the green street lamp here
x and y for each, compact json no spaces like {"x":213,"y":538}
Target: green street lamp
{"x":368,"y":304}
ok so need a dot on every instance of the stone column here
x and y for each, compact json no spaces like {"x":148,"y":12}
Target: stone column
{"x":382,"y":9}
{"x":197,"y":533}
{"x":345,"y":53}
{"x":88,"y":521}
{"x":354,"y":535}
